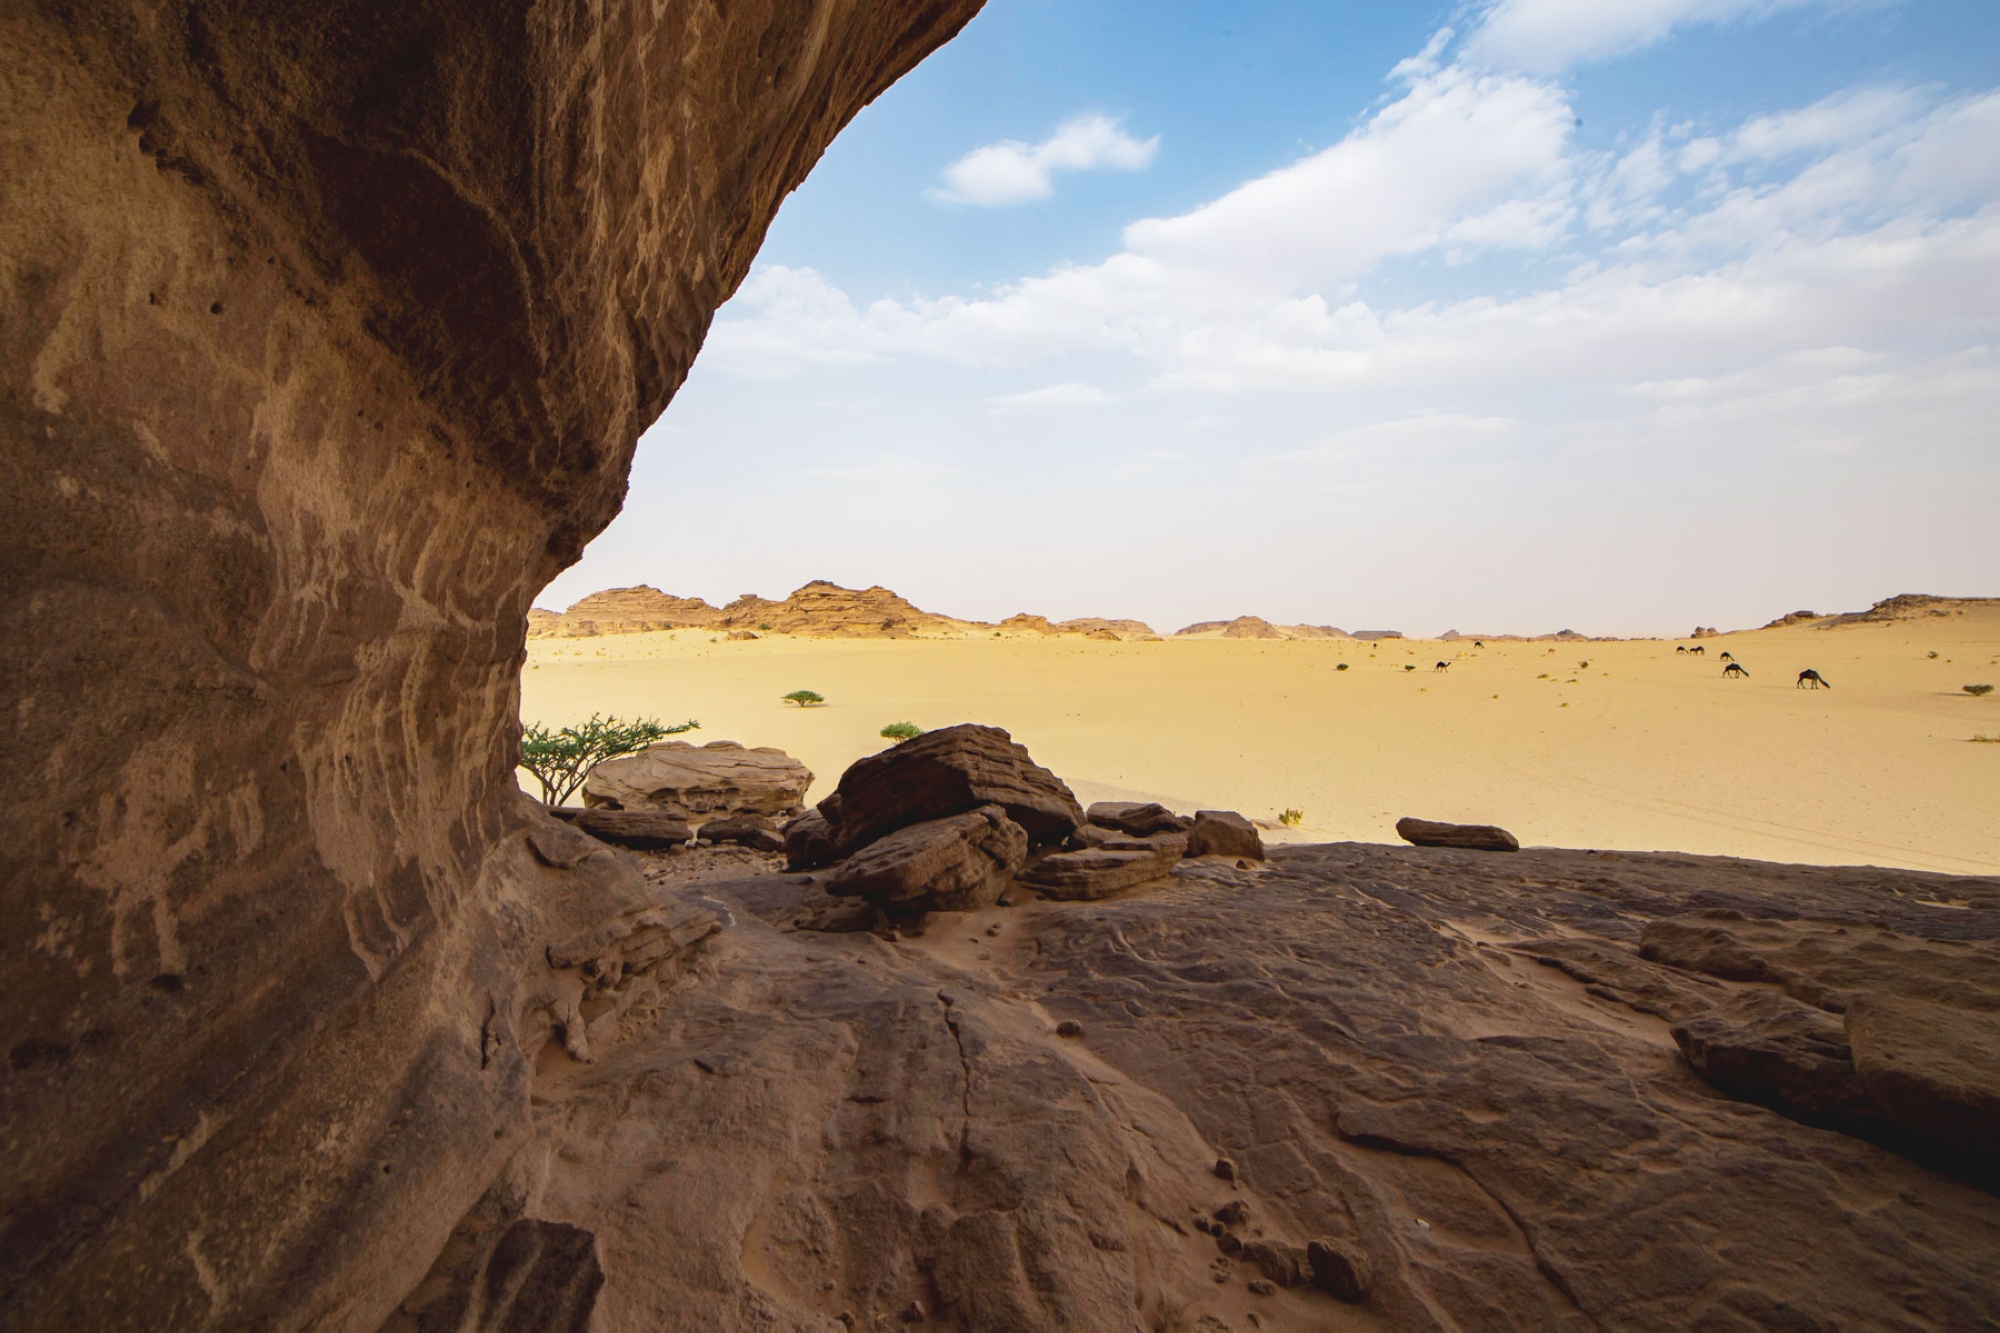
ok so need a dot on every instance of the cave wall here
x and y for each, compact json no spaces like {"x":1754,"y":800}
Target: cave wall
{"x":326,"y":334}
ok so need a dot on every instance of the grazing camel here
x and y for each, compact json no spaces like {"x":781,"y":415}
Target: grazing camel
{"x":1810,"y":675}
{"x":1680,"y":648}
{"x":1698,"y":650}
{"x":1477,"y":644}
{"x":1734,"y":669}
{"x":1442,"y":666}
{"x":1727,"y":658}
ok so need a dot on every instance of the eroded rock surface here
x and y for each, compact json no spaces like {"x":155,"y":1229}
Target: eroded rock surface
{"x":326,"y":333}
{"x":700,"y":782}
{"x":1432,"y":1118}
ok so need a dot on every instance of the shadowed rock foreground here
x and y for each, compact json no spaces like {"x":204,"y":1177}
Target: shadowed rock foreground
{"x":1460,"y":1065}
{"x":326,"y":332}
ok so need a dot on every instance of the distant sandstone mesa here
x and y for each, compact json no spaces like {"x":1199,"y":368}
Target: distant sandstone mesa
{"x":820,"y":609}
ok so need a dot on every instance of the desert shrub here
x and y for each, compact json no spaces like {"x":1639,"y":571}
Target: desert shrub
{"x":1986,"y":740}
{"x":765,"y":628}
{"x":561,"y":760}
{"x":1976,"y":690}
{"x":1291,"y":818}
{"x":805,"y":698}
{"x":1341,"y":667}
{"x":1583,"y":666}
{"x":902,"y":731}
{"x":1409,"y":666}
{"x":1933,"y":657}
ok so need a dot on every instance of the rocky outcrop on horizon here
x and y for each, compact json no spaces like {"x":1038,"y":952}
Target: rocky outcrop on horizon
{"x":1256,"y":627}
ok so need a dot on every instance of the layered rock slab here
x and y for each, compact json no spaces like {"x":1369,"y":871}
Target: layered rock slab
{"x":1452,"y":1133}
{"x":697,"y":783}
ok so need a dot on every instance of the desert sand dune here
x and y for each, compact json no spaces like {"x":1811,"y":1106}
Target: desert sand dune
{"x":1643,"y":749}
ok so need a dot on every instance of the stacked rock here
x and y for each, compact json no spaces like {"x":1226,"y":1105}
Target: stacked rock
{"x":948,"y":820}
{"x":942,"y":821}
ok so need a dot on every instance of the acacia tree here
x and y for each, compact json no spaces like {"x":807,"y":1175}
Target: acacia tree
{"x":561,"y":760}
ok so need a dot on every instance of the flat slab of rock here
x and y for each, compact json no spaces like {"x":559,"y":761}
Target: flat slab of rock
{"x":1224,"y":833}
{"x":1110,"y":867}
{"x":700,"y":782}
{"x":955,"y":865}
{"x":640,"y":830}
{"x":1139,"y":818}
{"x":1466,"y":837}
{"x":1772,"y":1050}
{"x":951,"y":771}
{"x":1933,"y":1072}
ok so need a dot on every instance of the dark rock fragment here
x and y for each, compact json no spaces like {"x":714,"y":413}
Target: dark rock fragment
{"x":640,"y":830}
{"x":1339,"y":1269}
{"x":1466,"y":837}
{"x":1224,"y":833}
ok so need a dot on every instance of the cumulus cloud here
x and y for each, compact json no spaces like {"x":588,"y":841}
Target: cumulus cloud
{"x":1862,"y":218}
{"x":1013,"y":172}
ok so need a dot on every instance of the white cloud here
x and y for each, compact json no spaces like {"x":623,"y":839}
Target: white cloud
{"x":1013,"y":172}
{"x":1548,"y":36}
{"x":1054,"y":397}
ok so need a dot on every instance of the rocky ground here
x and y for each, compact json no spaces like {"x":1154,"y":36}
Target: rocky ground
{"x":1458,"y":1066}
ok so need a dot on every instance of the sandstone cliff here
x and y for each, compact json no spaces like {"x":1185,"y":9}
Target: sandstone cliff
{"x":326,"y":332}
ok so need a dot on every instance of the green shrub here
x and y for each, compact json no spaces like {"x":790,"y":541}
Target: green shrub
{"x":1933,"y":657}
{"x":1409,"y":666}
{"x":1976,"y":690}
{"x":902,"y":731}
{"x":1341,"y":667}
{"x":765,"y":628}
{"x":805,"y":698}
{"x":561,"y":760}
{"x":1291,"y":818}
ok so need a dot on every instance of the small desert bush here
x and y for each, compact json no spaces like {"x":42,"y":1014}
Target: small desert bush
{"x":1291,"y":818}
{"x":1409,"y":667}
{"x":561,"y":760}
{"x":765,"y":628}
{"x":1341,"y":667}
{"x":1976,"y":690}
{"x":1933,"y":657}
{"x":805,"y":698}
{"x":902,"y":731}
{"x":1986,"y":740}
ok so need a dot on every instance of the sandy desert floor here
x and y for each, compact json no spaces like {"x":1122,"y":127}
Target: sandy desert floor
{"x":1641,"y":749}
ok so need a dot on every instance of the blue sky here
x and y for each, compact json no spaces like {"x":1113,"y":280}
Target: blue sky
{"x":1515,"y":315}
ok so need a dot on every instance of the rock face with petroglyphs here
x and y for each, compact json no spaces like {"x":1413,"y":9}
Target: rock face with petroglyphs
{"x":326,"y":333}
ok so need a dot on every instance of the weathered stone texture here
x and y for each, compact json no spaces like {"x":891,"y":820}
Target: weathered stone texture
{"x":326,"y":332}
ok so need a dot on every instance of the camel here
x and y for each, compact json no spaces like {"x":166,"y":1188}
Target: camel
{"x":1442,"y":666}
{"x":1477,"y":644}
{"x":1680,"y":648}
{"x":1726,"y":657}
{"x":1698,"y":650}
{"x":1810,"y":675}
{"x":1734,"y":669}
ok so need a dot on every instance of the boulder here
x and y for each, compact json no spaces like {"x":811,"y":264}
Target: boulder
{"x":753,"y":831}
{"x":1279,"y":1260}
{"x":1339,"y":1269}
{"x":1932,"y":1072}
{"x":1224,"y":833}
{"x":951,"y":771}
{"x":956,"y":864}
{"x":640,"y":830}
{"x":1140,"y":819}
{"x":808,"y":841}
{"x":699,"y":782}
{"x":1467,"y":837}
{"x":1110,"y":867}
